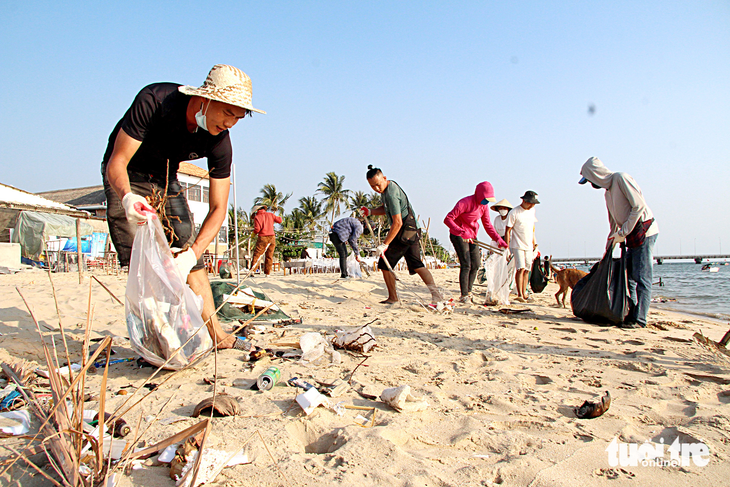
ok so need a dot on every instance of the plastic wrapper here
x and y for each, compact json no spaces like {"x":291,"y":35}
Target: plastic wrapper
{"x":603,"y":295}
{"x":162,"y":311}
{"x":499,"y":276}
{"x":353,"y":267}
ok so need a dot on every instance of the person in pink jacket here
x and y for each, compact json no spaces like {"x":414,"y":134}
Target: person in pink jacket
{"x":463,"y":223}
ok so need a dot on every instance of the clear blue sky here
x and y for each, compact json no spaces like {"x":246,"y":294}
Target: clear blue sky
{"x":440,"y":95}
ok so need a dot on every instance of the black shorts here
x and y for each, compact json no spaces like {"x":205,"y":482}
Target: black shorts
{"x":396,"y":250}
{"x":122,"y":231}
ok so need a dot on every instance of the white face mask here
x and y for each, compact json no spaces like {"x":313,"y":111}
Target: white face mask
{"x":200,"y":118}
{"x":503,"y":212}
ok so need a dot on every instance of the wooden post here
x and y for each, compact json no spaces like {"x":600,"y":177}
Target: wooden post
{"x":420,"y":242}
{"x":78,"y":248}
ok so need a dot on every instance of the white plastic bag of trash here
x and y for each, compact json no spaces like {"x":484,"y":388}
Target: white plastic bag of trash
{"x":314,"y":347}
{"x":400,"y":399}
{"x":360,"y":339}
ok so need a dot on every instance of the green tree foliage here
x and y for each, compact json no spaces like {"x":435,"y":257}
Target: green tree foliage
{"x":272,"y":198}
{"x":358,"y":199}
{"x":335,"y":194}
{"x":244,"y":225}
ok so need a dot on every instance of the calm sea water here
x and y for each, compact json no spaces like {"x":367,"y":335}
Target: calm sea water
{"x":696,"y":291}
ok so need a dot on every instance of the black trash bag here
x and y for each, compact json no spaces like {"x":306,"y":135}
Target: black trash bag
{"x":538,"y":279}
{"x":603,"y":295}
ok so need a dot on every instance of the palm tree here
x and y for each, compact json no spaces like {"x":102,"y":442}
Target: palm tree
{"x":357,"y":200}
{"x":296,"y":220}
{"x":244,"y":225}
{"x":334,"y":193}
{"x":311,"y":209}
{"x":273,"y":199}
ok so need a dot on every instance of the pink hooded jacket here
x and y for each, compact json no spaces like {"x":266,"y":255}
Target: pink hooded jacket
{"x":463,"y":220}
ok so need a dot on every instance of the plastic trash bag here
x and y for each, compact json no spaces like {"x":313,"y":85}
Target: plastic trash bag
{"x":353,"y":267}
{"x":162,"y":311}
{"x":538,"y":279}
{"x":603,"y":295}
{"x":499,"y":276}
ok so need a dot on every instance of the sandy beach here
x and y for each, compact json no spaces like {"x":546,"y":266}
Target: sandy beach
{"x":501,"y":388}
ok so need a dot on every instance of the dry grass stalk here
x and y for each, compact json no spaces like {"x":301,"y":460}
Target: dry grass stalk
{"x":60,"y":433}
{"x":107,"y":290}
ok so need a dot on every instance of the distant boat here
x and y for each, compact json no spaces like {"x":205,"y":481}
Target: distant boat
{"x":710,"y":268}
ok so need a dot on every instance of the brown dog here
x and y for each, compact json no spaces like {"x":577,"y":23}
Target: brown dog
{"x":566,"y":278}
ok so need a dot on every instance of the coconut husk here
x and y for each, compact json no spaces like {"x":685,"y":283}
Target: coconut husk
{"x":225,"y":405}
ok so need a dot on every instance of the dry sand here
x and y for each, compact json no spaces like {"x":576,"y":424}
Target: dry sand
{"x":501,"y":389}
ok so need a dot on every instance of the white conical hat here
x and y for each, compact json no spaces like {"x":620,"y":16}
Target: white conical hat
{"x":503,"y":203}
{"x":225,"y":84}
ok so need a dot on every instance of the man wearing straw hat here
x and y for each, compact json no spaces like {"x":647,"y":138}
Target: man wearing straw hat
{"x":167,"y":124}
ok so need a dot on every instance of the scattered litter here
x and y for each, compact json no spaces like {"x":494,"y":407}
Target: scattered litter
{"x":444,"y":307}
{"x":268,"y":379}
{"x":224,"y":405}
{"x":512,"y":311}
{"x":334,"y":389}
{"x":590,"y":409}
{"x":245,"y":297}
{"x":297,"y":382}
{"x":168,"y":454}
{"x":18,"y":424}
{"x":101,"y":363}
{"x":361,"y":420}
{"x":120,"y":428}
{"x":11,"y":401}
{"x":400,"y":399}
{"x":310,"y":399}
{"x":360,"y":339}
{"x":211,"y":463}
{"x":63,"y":371}
{"x":314,"y":347}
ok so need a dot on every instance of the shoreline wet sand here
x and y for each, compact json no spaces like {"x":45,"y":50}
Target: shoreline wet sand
{"x":501,"y":388}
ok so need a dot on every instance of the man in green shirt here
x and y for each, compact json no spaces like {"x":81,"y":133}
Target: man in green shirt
{"x":403,"y":237}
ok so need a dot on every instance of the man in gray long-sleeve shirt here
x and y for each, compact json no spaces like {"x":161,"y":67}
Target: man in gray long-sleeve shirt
{"x":346,"y":230}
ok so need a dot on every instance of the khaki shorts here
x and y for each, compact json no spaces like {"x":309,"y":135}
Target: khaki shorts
{"x":523,"y":258}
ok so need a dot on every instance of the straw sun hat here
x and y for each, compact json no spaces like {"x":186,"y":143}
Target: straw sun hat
{"x":225,"y":84}
{"x":501,"y":204}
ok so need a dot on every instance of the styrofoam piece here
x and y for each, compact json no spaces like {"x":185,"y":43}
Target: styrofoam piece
{"x":168,"y":454}
{"x":401,"y":399}
{"x":23,"y":419}
{"x":310,"y":399}
{"x":239,"y":459}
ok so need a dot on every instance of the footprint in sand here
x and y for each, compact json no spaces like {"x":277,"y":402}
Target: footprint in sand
{"x":613,"y":473}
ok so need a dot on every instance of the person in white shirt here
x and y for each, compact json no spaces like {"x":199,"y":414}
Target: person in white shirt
{"x":520,"y":236}
{"x":502,"y":207}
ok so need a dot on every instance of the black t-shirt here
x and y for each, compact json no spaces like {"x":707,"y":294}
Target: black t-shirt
{"x":157,"y":119}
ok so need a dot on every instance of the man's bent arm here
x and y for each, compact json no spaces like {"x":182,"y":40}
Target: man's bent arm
{"x":116,"y":169}
{"x":218,"y":206}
